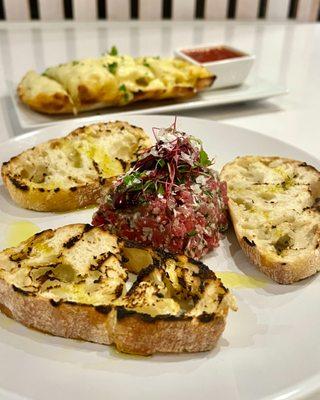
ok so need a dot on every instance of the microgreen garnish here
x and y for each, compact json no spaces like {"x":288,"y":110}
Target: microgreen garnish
{"x":204,"y":159}
{"x":161,"y":163}
{"x":160,"y":189}
{"x":130,"y":180}
{"x":208,"y":193}
{"x":113,"y":51}
{"x":176,"y":159}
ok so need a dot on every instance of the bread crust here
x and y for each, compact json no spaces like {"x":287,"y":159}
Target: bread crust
{"x":71,"y":321}
{"x":42,"y":198}
{"x":281,"y":272}
{"x":51,"y":200}
{"x":284,"y":273}
{"x":133,"y":334}
{"x":56,"y":103}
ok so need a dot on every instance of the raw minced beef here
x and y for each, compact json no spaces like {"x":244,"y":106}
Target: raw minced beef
{"x":170,"y":199}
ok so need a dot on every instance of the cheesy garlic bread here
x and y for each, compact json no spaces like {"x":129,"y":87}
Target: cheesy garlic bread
{"x":111,"y":80}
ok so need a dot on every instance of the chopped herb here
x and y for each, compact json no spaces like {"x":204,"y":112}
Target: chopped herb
{"x":75,"y":63}
{"x":160,"y":189}
{"x":131,"y":179}
{"x":208,"y":193}
{"x":161,"y":163}
{"x":204,"y":159}
{"x":183,"y":168}
{"x":148,"y":185}
{"x":123,"y":89}
{"x":113,"y":51}
{"x":112,"y":67}
{"x":192,"y":233}
{"x":181,"y":180}
{"x":146,"y":64}
{"x":282,"y":243}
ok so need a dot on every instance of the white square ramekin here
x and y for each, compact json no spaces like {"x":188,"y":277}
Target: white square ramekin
{"x":229,"y":72}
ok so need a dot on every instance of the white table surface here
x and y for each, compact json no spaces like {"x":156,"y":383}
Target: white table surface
{"x":286,"y":53}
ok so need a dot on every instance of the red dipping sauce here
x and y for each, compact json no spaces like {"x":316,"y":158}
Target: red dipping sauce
{"x":209,"y":54}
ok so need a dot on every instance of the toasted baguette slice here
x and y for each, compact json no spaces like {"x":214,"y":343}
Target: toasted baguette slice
{"x":68,"y":173}
{"x":275,"y":210}
{"x":71,"y":282}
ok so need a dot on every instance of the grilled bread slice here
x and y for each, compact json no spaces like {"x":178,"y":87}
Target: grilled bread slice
{"x":274,"y":204}
{"x":68,"y":173}
{"x":111,"y":80}
{"x":72,"y":282}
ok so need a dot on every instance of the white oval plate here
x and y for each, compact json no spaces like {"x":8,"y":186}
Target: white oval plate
{"x":269,"y":350}
{"x":253,"y":90}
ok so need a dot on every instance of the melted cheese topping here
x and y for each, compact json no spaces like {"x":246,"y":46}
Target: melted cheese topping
{"x":87,"y":80}
{"x":34,"y":83}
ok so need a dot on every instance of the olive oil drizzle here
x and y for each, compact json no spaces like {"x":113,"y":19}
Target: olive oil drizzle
{"x":234,"y":280}
{"x":18,"y":231}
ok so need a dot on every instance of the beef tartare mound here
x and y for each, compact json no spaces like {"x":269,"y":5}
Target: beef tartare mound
{"x":170,"y":199}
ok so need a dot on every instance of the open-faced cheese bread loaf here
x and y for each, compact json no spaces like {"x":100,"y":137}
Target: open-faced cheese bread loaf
{"x":69,"y":172}
{"x":73,"y":282}
{"x":275,"y":209}
{"x":111,"y":80}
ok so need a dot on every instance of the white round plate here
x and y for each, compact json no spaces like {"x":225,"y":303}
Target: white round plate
{"x":269,"y":350}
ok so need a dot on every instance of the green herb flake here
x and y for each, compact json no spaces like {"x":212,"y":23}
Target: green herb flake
{"x":122,"y":88}
{"x":208,"y":193}
{"x":130,"y":180}
{"x":160,"y":189}
{"x":127,"y":180}
{"x":74,"y":63}
{"x":149,"y":185}
{"x":161,"y":163}
{"x":183,"y":168}
{"x":113,"y":51}
{"x":204,"y":159}
{"x":192,"y":233}
{"x":112,"y":67}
